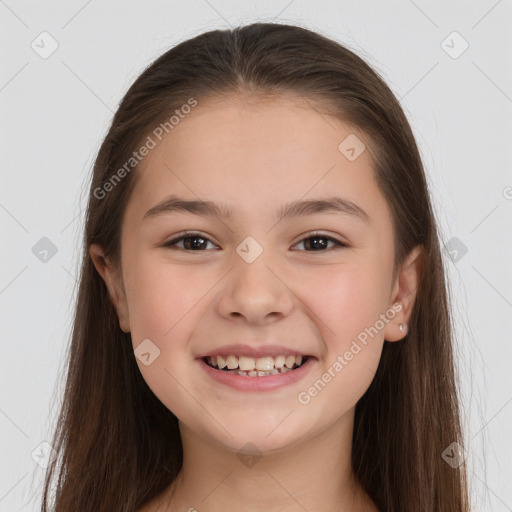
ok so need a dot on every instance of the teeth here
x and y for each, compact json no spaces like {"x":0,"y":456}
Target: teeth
{"x":290,"y":361}
{"x":258,"y":373}
{"x":261,"y":366}
{"x":246,"y":363}
{"x":265,"y":363}
{"x":232,"y":362}
{"x":273,"y":371}
{"x":279,"y":361}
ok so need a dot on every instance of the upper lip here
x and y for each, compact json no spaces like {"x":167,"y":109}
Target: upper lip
{"x":255,"y":352}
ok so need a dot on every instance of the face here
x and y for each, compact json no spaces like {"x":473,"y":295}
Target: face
{"x":315,"y":282}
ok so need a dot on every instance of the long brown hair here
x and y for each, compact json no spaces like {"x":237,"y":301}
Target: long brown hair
{"x":118,"y":446}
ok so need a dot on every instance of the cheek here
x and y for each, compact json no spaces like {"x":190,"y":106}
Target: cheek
{"x":348,"y":303}
{"x":161,"y":301}
{"x":164,"y":304}
{"x":346,"y":300}
{"x":161,"y":297}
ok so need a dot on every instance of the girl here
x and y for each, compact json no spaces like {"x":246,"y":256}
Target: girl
{"x":262,"y":320}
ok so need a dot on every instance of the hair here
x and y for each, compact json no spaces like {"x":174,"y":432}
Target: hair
{"x":118,"y":446}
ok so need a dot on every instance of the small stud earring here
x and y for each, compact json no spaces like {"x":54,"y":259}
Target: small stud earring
{"x":401,"y":327}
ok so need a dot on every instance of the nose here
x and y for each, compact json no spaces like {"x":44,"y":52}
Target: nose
{"x":255,"y":293}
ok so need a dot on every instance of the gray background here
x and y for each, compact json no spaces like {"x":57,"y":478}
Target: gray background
{"x":55,"y":111}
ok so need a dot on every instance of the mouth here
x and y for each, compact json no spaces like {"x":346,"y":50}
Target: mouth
{"x":256,"y":367}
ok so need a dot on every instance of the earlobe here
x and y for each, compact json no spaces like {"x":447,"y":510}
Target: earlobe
{"x":404,"y":293}
{"x":113,"y":281}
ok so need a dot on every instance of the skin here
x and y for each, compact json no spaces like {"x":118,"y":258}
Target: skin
{"x":255,"y":156}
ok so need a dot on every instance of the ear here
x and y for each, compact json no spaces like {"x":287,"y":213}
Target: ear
{"x":114,"y":282}
{"x":404,"y":293}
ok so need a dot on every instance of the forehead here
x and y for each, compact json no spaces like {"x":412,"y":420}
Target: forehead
{"x":257,"y":152}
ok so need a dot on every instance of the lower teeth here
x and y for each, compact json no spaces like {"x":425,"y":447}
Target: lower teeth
{"x":259,"y":373}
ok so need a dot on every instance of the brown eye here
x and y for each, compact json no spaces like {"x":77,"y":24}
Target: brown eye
{"x":319,"y":243}
{"x":191,"y":242}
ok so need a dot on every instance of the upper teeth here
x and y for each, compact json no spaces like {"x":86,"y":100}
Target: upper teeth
{"x":251,"y":363}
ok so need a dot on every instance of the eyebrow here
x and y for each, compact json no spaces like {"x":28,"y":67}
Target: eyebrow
{"x":174,"y":204}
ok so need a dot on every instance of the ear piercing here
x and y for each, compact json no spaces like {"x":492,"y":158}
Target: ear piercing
{"x":402,"y":328}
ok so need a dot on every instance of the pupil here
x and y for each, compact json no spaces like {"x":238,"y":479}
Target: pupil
{"x":316,"y":244}
{"x":193,"y":245}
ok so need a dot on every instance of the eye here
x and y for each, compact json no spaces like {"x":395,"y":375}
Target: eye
{"x":192,"y":241}
{"x":318,"y":241}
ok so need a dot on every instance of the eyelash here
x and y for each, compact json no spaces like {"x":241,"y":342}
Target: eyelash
{"x":194,"y":234}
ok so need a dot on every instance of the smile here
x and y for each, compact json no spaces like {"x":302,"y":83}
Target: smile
{"x":245,"y":373}
{"x":256,"y":367}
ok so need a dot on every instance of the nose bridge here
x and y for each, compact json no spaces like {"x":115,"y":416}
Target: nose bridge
{"x":254,"y":290}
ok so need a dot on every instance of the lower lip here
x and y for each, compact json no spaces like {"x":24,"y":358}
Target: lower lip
{"x":264,"y":383}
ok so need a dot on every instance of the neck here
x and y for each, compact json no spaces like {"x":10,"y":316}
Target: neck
{"x":312,"y":474}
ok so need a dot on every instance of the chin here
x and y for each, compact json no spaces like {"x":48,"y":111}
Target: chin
{"x":258,"y":438}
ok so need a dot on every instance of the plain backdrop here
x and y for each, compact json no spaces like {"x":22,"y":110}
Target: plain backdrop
{"x":66,"y":65}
